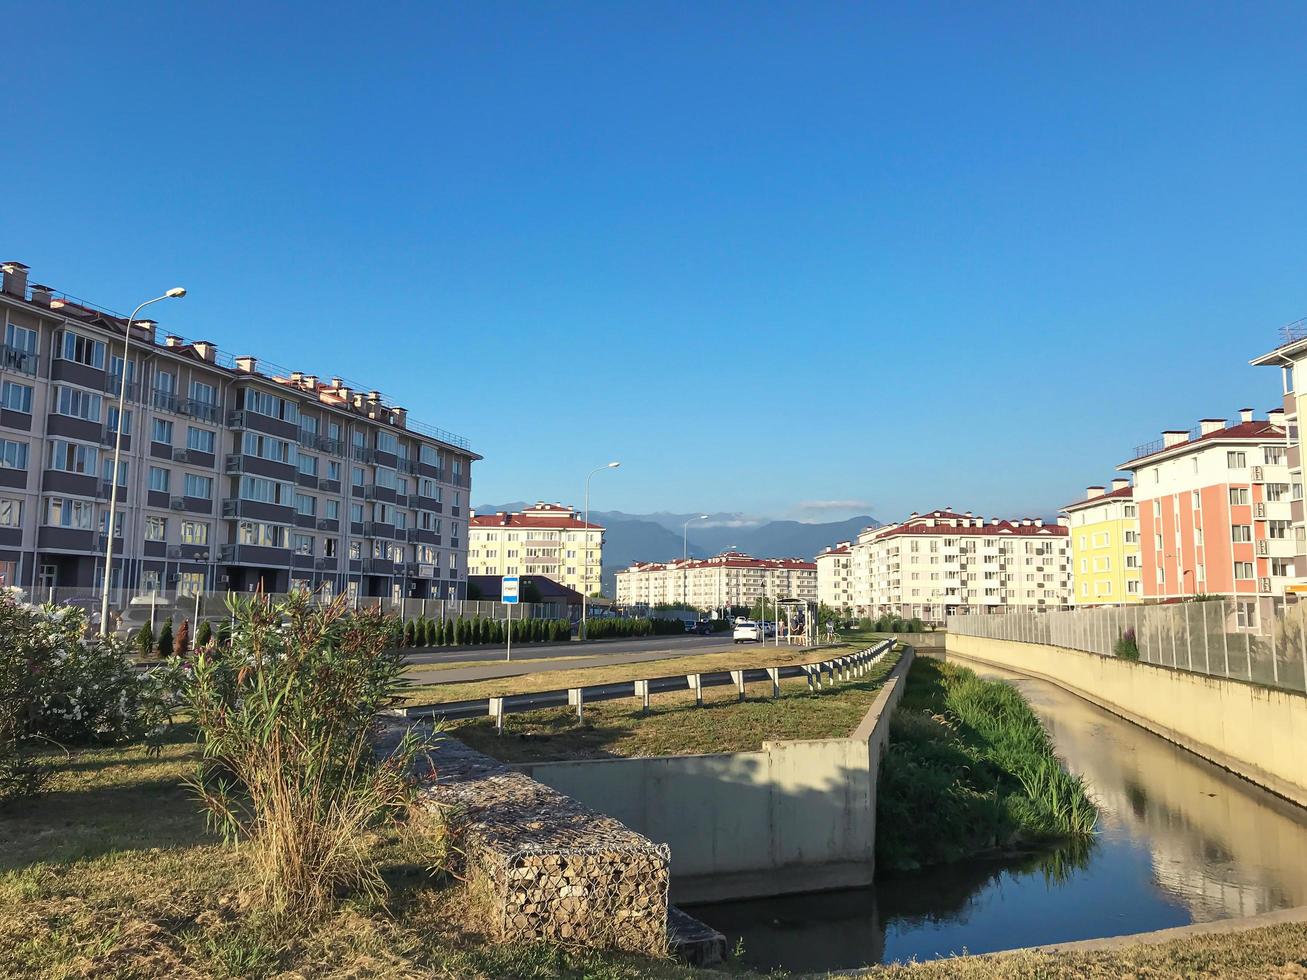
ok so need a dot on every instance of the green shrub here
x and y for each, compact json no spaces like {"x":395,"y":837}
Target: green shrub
{"x":164,"y":646}
{"x":204,"y":634}
{"x":1127,"y":646}
{"x":144,"y":640}
{"x":410,"y":634}
{"x":288,"y":762}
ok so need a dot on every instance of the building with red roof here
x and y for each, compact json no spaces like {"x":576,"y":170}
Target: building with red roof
{"x":835,"y":576}
{"x":545,"y":539}
{"x":729,"y":579}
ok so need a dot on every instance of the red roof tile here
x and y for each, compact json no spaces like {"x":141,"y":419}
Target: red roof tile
{"x":1126,"y":492}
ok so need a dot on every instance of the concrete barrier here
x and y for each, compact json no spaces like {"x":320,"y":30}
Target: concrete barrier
{"x":798,"y":815}
{"x":1255,"y":732}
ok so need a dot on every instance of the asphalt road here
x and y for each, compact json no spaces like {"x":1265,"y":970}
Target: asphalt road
{"x":600,"y":653}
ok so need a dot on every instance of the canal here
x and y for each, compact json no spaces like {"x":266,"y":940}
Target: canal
{"x":1179,"y":841}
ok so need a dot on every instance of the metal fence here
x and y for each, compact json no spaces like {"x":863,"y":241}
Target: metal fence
{"x":129,"y":610}
{"x":1218,"y":637}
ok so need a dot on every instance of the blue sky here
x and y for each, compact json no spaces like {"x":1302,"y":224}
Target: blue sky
{"x":886,"y":257}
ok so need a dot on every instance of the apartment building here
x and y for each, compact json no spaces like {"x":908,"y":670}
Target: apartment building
{"x":547,"y":539}
{"x":235,"y":474}
{"x":1105,"y":555}
{"x":942,"y":562}
{"x":1215,"y":512}
{"x":1290,"y":356}
{"x":729,"y":579}
{"x":835,"y":576}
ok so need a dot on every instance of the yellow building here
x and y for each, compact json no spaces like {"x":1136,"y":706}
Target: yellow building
{"x":1105,"y":547}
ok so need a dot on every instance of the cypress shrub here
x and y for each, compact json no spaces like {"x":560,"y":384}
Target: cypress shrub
{"x":410,"y":634}
{"x":204,"y":634}
{"x":164,"y":646}
{"x":181,"y":643}
{"x":144,"y":640}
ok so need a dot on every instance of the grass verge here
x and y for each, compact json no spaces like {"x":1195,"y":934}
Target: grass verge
{"x":970,"y":770}
{"x":112,"y":874}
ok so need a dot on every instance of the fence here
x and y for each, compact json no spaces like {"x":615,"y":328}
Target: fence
{"x":129,"y":610}
{"x":846,"y":667}
{"x":1219,"y":637}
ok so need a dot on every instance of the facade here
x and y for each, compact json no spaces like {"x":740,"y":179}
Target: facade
{"x":835,"y":576}
{"x":1215,"y":513}
{"x":547,"y":539}
{"x":728,"y":579}
{"x":939,"y":563}
{"x":1290,"y":356}
{"x":1105,"y":558}
{"x":235,"y":476}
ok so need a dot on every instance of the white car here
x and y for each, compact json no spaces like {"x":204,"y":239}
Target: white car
{"x":747,"y":631}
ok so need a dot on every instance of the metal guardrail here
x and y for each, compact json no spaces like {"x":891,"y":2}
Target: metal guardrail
{"x":849,"y":666}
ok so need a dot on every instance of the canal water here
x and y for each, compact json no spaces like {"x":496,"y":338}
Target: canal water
{"x":1179,"y":841}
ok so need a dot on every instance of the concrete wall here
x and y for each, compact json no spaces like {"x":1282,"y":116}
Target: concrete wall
{"x":1256,"y":732}
{"x":796,"y":816}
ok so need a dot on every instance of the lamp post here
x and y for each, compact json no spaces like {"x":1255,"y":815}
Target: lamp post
{"x":585,"y":571}
{"x":176,"y":292}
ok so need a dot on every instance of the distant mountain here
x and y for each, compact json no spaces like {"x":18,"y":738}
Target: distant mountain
{"x":657,"y":537}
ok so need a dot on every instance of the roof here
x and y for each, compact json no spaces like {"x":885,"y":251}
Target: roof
{"x":1256,"y":431}
{"x":950,"y":524}
{"x":535,"y":520}
{"x":1125,"y":492}
{"x":728,"y":559}
{"x":490,"y":587}
{"x":843,"y":548}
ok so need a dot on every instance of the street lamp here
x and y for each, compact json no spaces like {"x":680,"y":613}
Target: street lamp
{"x":585,"y":539}
{"x":177,"y":292}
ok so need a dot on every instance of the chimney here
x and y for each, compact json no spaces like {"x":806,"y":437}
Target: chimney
{"x":1173,"y":437}
{"x":1207,"y":426}
{"x":1092,"y":492}
{"x":1120,"y":483}
{"x":297,"y":376}
{"x":399,"y":416}
{"x":311,"y":382}
{"x":1039,"y":522}
{"x":146,"y":329}
{"x":41,"y":295}
{"x":246,"y":364}
{"x":338,"y":382}
{"x":207,"y":350}
{"x":15,"y":279}
{"x":345,"y":393}
{"x":1275,"y":416}
{"x":172,"y":340}
{"x":374,"y":397}
{"x":1245,"y":415}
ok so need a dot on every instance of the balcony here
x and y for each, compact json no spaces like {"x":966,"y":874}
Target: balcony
{"x":378,"y":566}
{"x":165,"y":401}
{"x":207,"y":411}
{"x":409,"y":466}
{"x":13,"y":359}
{"x":375,"y":529}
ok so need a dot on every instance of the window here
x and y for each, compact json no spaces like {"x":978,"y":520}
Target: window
{"x":1236,"y":460}
{"x":72,"y":346}
{"x":1241,"y":532}
{"x":205,"y":393}
{"x":159,"y":479}
{"x":111,"y":420}
{"x":428,"y":455}
{"x":156,"y":528}
{"x":20,"y":338}
{"x":72,"y":457}
{"x":387,"y":442}
{"x":1243,"y":569}
{"x":76,"y":403}
{"x":13,"y":455}
{"x":1246,"y":614}
{"x":266,"y":447}
{"x":329,"y":547}
{"x":355,"y":550}
{"x":356,"y":513}
{"x":272,"y":406}
{"x":195,"y":532}
{"x":301,"y":544}
{"x":1157,"y":509}
{"x":151,"y":580}
{"x":356,"y":476}
{"x":265,"y":490}
{"x":16,"y":397}
{"x":333,"y":470}
{"x":199,"y":439}
{"x":118,"y":523}
{"x":1131,"y":510}
{"x":331,"y":510}
{"x":306,"y":505}
{"x":427,"y":488}
{"x":190,"y":583}
{"x":1281,"y":566}
{"x":308,"y":465}
{"x":161,"y":432}
{"x":1238,"y":496}
{"x":261,"y":534}
{"x":1277,"y":529}
{"x":1277,"y":491}
{"x":11,"y":512}
{"x":200,"y":487}
{"x":386,"y":478}
{"x":62,"y":512}
{"x":1273,"y":455}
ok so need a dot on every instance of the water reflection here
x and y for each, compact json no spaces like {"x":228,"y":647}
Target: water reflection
{"x":1179,"y":841}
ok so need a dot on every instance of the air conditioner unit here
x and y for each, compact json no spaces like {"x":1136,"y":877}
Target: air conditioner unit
{"x":1257,"y":474}
{"x":177,"y":503}
{"x":181,"y":456}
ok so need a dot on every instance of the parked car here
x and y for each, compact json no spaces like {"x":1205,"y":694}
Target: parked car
{"x":703,"y":627}
{"x":747,"y":631}
{"x":768,"y":629}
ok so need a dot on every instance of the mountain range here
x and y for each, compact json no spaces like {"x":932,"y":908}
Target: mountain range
{"x":657,"y":537}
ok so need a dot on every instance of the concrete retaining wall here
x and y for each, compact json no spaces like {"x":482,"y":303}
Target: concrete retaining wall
{"x":1256,"y":732}
{"x":796,"y":816}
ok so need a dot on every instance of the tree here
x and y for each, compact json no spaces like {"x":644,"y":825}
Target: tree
{"x":144,"y":640}
{"x":204,"y":634}
{"x":164,"y":647}
{"x":410,"y":634}
{"x":181,"y":643}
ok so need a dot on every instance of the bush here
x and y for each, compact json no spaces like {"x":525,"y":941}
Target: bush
{"x":182,"y":641}
{"x":58,"y":683}
{"x":164,"y":646}
{"x":1127,"y":646}
{"x":288,"y":761}
{"x":204,"y":634}
{"x":144,"y":640}
{"x":410,"y":634}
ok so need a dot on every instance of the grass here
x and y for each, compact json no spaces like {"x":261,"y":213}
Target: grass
{"x":112,"y":874}
{"x":970,"y":770}
{"x":745,"y":655}
{"x":675,"y":726}
{"x":1271,"y":951}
